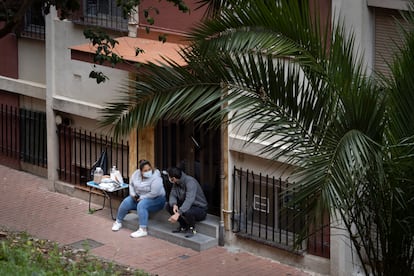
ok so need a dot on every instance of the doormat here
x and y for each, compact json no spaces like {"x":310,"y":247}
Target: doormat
{"x":85,"y":244}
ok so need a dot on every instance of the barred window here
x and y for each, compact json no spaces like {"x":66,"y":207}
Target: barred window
{"x":102,"y":13}
{"x":34,"y":23}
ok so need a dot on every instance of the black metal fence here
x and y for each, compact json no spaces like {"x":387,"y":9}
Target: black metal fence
{"x":79,"y":149}
{"x":34,"y":23}
{"x":101,"y":13}
{"x":33,"y":146}
{"x":23,"y":135}
{"x":261,"y":212}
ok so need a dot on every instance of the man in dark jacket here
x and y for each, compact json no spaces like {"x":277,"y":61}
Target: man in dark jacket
{"x":187,"y":203}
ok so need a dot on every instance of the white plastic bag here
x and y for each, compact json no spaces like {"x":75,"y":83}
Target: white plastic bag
{"x":117,"y":177}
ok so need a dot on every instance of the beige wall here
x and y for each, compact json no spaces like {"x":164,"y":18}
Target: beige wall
{"x":358,"y":18}
{"x":260,"y":165}
{"x":72,"y":76}
{"x":83,"y":123}
{"x":389,"y":4}
{"x":32,"y":60}
{"x":170,"y":19}
{"x":31,"y":103}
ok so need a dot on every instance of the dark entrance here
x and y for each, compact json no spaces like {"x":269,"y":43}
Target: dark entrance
{"x":196,"y":150}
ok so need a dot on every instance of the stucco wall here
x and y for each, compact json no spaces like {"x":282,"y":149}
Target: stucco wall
{"x":69,"y":88}
{"x":72,"y":77}
{"x":31,"y":103}
{"x":260,"y":165}
{"x":358,"y":18}
{"x":32,"y":65}
{"x":82,"y":123}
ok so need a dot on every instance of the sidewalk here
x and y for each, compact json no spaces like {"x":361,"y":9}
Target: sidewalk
{"x":27,"y":205}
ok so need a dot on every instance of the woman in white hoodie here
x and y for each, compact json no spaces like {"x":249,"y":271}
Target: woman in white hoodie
{"x":146,"y":194}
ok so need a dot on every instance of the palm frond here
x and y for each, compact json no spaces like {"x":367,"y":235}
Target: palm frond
{"x":268,"y":68}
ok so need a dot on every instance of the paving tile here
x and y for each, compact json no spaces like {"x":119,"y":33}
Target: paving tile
{"x":26,"y":204}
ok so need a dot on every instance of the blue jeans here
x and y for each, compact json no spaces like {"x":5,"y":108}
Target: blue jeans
{"x":143,"y":207}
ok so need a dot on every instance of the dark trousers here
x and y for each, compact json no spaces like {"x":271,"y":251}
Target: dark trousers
{"x":189,"y":218}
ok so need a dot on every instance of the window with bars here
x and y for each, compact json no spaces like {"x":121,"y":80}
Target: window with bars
{"x":23,"y":135}
{"x":34,"y":23}
{"x":102,"y":13}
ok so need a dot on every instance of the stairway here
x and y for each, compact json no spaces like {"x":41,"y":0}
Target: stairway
{"x":158,"y":226}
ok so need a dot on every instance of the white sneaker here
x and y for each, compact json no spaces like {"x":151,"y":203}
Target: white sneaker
{"x":139,"y":233}
{"x":116,"y":226}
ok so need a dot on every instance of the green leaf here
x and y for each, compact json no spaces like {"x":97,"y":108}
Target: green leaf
{"x":150,"y":20}
{"x":302,"y":91}
{"x":138,"y":51}
{"x":162,"y":38}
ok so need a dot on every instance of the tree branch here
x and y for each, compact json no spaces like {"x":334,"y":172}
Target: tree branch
{"x":16,"y":19}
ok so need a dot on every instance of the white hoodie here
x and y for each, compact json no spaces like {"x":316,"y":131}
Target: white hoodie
{"x":146,"y":187}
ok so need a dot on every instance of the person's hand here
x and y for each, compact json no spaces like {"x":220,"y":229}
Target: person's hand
{"x":136,"y":197}
{"x":175,"y":208}
{"x":174,"y":217}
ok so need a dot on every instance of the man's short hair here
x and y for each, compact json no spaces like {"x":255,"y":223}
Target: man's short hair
{"x":174,"y":172}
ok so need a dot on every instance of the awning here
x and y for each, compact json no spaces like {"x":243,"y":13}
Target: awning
{"x":153,"y":51}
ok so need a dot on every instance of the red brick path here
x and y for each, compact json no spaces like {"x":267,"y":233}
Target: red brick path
{"x":26,"y":204}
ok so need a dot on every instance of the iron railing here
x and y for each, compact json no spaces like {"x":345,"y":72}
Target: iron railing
{"x":79,"y":149}
{"x":10,"y":132}
{"x":261,"y":211}
{"x":33,"y":145}
{"x":34,"y":23}
{"x":101,"y":13}
{"x":196,"y":151}
{"x":23,"y":135}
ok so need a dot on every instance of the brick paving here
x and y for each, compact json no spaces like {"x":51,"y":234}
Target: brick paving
{"x":27,"y":205}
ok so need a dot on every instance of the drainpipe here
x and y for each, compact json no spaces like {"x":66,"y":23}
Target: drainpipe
{"x":221,"y":225}
{"x":52,"y":139}
{"x":223,"y":182}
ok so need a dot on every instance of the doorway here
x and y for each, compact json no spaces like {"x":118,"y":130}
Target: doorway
{"x":196,"y":150}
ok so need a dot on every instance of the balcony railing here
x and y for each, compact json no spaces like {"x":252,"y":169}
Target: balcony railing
{"x":34,"y":24}
{"x":101,"y":13}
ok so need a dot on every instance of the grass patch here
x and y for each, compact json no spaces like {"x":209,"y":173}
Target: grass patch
{"x":22,"y":254}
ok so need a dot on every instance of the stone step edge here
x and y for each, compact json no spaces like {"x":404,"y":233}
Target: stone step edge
{"x":199,"y":242}
{"x":209,"y":226}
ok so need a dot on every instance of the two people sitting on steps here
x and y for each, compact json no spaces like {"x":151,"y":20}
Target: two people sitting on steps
{"x":186,"y":203}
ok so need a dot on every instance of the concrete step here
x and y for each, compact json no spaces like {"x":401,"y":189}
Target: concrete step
{"x":158,"y":226}
{"x":198,"y":242}
{"x":209,"y":226}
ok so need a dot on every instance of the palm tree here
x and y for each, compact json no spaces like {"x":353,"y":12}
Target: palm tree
{"x":304,"y":89}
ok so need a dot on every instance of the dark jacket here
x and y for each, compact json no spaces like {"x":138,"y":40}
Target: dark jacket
{"x":189,"y":192}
